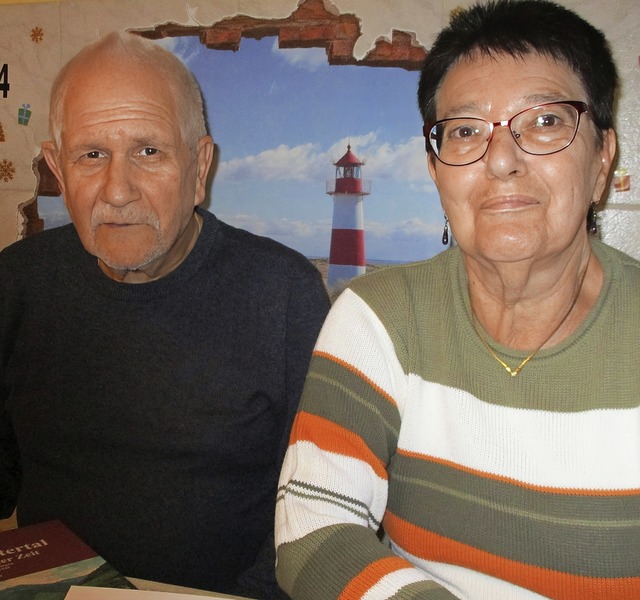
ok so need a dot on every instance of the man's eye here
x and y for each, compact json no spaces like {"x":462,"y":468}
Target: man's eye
{"x":149,"y":151}
{"x":93,"y":154}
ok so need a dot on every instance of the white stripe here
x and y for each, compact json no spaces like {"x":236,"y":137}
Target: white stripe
{"x":466,"y":584}
{"x":296,"y":517}
{"x":591,"y":449}
{"x":585,"y":450}
{"x":353,"y":333}
{"x":339,"y":274}
{"x":348,"y":212}
{"x":392,"y":583}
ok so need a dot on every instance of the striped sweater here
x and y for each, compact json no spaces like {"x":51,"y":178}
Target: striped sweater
{"x":486,"y":486}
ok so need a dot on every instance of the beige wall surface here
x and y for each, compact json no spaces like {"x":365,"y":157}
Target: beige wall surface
{"x":38,"y":37}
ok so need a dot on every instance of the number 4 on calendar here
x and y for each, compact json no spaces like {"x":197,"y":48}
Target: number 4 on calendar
{"x":4,"y":80}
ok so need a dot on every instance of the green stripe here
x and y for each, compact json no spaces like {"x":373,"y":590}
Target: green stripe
{"x":425,"y":309}
{"x":321,"y":565}
{"x":581,"y":534}
{"x":349,"y":400}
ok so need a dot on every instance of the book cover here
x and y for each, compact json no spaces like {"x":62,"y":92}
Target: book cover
{"x":41,"y":562}
{"x":89,"y":593}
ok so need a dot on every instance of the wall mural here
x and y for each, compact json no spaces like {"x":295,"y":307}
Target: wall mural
{"x":286,"y":99}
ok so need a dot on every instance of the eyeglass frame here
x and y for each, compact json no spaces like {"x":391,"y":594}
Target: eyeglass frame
{"x":578,"y":105}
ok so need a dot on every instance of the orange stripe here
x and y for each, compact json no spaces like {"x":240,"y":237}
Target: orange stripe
{"x":510,"y":480}
{"x":333,"y":438}
{"x":370,"y":575}
{"x":553,"y":584}
{"x":360,"y":374}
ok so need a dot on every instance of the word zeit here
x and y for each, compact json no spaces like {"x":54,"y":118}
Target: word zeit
{"x":21,"y":552}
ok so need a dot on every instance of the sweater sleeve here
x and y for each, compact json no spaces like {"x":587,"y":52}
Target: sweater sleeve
{"x":333,"y":487}
{"x":307,"y":308}
{"x":10,"y":471}
{"x":9,"y":464}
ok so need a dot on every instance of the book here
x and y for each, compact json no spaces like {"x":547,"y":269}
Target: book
{"x":89,"y":593}
{"x":43,"y":561}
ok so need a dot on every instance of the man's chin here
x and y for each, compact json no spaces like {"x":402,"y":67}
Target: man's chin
{"x":122,"y":253}
{"x":126,"y":261}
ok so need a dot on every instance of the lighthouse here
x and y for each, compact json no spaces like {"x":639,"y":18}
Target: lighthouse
{"x":347,"y":256}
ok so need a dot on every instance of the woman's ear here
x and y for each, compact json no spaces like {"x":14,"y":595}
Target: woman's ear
{"x":607,"y":155}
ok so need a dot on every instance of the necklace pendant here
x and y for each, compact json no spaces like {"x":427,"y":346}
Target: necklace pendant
{"x":508,"y":369}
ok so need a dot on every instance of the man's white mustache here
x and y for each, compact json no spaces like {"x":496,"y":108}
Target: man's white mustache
{"x":123,"y":217}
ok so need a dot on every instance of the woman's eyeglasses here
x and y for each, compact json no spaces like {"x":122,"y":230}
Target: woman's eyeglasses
{"x":542,"y":129}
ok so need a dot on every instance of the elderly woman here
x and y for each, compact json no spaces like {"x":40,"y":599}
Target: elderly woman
{"x":470,"y":426}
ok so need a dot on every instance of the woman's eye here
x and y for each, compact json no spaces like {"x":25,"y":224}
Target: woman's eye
{"x":547,"y":121}
{"x":464,"y":132}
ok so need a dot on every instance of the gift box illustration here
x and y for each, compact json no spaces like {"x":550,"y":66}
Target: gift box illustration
{"x":621,"y":180}
{"x":24,"y":114}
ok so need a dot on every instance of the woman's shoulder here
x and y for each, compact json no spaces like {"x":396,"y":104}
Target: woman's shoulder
{"x":413,"y":276}
{"x":397,"y":289}
{"x":618,"y":265}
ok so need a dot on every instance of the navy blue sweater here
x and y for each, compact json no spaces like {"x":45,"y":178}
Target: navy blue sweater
{"x":152,"y":418}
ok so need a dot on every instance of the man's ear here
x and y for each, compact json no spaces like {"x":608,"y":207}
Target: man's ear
{"x":50,"y":152}
{"x":204,"y":157}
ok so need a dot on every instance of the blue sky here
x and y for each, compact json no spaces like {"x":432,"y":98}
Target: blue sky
{"x":282,"y":117}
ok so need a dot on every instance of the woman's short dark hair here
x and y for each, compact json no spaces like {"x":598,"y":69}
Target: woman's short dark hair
{"x":517,"y":28}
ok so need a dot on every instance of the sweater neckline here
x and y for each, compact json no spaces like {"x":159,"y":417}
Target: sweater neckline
{"x":117,"y":290}
{"x":610,"y":269}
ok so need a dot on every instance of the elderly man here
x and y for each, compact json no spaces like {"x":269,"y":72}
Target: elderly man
{"x":152,"y":357}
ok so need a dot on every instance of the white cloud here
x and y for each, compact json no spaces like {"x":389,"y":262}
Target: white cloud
{"x":297,"y":163}
{"x":278,"y":227}
{"x":179,"y":47}
{"x":310,"y":59}
{"x":402,"y":230}
{"x":404,"y":161}
{"x":411,"y":239}
{"x":168,"y":43}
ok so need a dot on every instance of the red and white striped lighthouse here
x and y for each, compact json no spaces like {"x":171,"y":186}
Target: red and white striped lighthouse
{"x":347,"y":256}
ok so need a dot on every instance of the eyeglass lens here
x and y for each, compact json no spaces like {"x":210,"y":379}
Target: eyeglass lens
{"x":543,"y":129}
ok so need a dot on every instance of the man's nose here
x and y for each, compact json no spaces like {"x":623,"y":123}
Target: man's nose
{"x":119,"y":184}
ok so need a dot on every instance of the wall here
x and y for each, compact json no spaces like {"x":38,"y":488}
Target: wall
{"x":38,"y":37}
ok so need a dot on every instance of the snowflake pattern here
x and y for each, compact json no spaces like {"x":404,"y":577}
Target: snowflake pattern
{"x":7,"y":170}
{"x":37,"y":35}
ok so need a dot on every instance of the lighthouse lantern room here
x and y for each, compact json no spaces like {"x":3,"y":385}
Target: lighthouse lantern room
{"x":347,"y":252}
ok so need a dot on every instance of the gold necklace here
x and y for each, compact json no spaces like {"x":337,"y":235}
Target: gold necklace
{"x":514,"y":372}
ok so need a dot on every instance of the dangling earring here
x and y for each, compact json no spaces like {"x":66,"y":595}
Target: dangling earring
{"x":592,"y":220}
{"x":445,"y":233}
